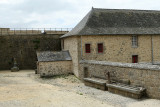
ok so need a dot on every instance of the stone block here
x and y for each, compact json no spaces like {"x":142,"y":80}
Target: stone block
{"x":14,"y":69}
{"x":96,"y":83}
{"x":126,"y":90}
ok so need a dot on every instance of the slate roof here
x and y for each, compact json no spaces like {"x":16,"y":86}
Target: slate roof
{"x":117,"y":21}
{"x":49,"y":56}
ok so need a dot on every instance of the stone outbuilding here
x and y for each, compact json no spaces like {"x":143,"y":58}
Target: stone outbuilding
{"x":53,"y":63}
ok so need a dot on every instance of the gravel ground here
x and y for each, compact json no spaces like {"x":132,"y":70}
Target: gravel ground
{"x":26,"y":89}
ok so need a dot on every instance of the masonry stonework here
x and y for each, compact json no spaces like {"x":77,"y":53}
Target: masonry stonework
{"x":147,"y":76}
{"x":24,"y":47}
{"x":72,"y":44}
{"x":118,"y":48}
{"x":54,"y":68}
{"x":156,"y":49}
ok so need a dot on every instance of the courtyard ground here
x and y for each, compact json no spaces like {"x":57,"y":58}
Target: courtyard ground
{"x":26,"y":89}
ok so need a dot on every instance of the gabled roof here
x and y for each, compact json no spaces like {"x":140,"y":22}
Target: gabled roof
{"x":49,"y":56}
{"x":117,"y":21}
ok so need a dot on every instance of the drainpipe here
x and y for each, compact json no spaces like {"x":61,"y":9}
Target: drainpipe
{"x":152,"y":49}
{"x":81,"y":49}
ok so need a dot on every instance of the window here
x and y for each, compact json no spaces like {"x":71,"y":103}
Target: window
{"x":88,"y":48}
{"x":134,"y":41}
{"x":100,"y":47}
{"x":134,"y":58}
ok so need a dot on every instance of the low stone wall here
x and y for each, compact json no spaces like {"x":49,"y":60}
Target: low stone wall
{"x":54,"y":68}
{"x":147,"y":76}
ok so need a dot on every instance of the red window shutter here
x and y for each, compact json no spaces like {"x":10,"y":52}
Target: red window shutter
{"x":135,"y":59}
{"x":88,"y":48}
{"x":100,"y":48}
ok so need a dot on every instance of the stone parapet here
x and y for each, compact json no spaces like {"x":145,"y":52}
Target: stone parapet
{"x":146,"y":66}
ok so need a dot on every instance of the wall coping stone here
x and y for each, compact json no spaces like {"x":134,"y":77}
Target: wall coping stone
{"x":96,"y":80}
{"x":126,"y":65}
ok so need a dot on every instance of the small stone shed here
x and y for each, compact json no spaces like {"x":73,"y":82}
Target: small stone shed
{"x":53,"y":63}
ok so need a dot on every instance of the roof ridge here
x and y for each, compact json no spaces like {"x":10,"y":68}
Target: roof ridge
{"x":126,"y":9}
{"x":101,"y":21}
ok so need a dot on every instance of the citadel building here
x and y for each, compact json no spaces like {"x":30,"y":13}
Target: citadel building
{"x":123,"y":43}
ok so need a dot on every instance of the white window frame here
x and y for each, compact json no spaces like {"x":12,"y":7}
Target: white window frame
{"x":134,"y":41}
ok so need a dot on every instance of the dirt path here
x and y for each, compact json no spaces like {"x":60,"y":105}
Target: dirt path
{"x":25,"y":89}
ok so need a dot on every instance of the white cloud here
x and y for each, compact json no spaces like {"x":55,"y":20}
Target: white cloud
{"x":60,"y":13}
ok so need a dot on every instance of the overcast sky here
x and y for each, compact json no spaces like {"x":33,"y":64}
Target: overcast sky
{"x":60,"y":13}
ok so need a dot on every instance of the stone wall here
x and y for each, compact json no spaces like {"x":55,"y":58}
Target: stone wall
{"x":72,"y":44}
{"x":118,"y":48}
{"x":147,"y":76}
{"x":54,"y":68}
{"x":23,"y":48}
{"x":156,"y":49}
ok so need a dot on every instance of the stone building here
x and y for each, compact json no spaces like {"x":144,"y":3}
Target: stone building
{"x":128,"y":36}
{"x":52,"y":63}
{"x":123,"y":42}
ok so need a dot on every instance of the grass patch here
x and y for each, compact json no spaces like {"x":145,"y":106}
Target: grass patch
{"x":79,"y":93}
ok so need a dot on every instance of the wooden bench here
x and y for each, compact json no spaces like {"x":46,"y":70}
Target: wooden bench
{"x":126,"y":90}
{"x":96,"y":83}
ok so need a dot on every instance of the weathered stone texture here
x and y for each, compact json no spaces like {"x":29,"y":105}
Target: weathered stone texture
{"x":147,"y":78}
{"x":72,"y":44}
{"x":118,"y":48}
{"x":156,"y":48}
{"x":54,"y":68}
{"x":98,"y":86}
{"x":24,"y":47}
